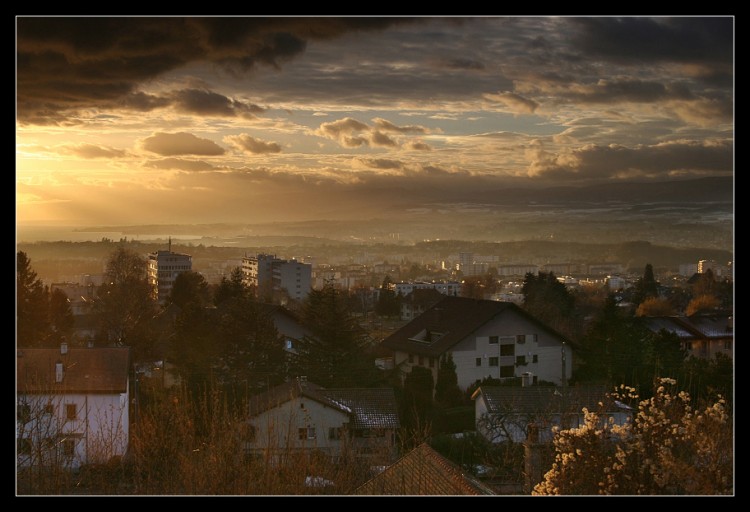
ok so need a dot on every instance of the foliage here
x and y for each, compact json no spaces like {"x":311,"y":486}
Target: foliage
{"x":189,"y":287}
{"x":416,"y":405}
{"x":336,"y":352}
{"x":671,"y":447}
{"x":646,"y":286}
{"x":550,"y":301}
{"x":126,"y":304}
{"x":702,"y":304}
{"x":389,"y":304}
{"x":655,"y":306}
{"x":31,"y":304}
{"x":230,"y":288}
{"x":447,"y":392}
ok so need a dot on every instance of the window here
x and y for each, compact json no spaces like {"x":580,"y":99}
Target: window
{"x":23,"y":412}
{"x":687,"y":346}
{"x":521,"y":338}
{"x":24,"y":446}
{"x":535,"y":358}
{"x":411,"y":358}
{"x":306,"y":433}
{"x":533,"y":338}
{"x":507,"y":350}
{"x":507,"y":371}
{"x":49,"y":409}
{"x":479,"y":361}
{"x":520,"y":359}
{"x":71,"y":411}
{"x":335,"y":433}
{"x":68,"y":447}
{"x":493,"y":340}
{"x":494,"y":361}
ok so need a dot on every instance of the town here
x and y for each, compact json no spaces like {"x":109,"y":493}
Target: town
{"x":350,"y":378}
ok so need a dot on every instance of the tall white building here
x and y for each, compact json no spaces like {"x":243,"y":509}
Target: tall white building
{"x":269,"y":274}
{"x":163,"y":269}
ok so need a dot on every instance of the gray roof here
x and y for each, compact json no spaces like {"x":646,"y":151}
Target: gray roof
{"x":542,"y":399}
{"x":712,"y":326}
{"x":454,"y":318}
{"x":371,"y":407}
{"x":86,"y":370}
{"x":366,"y":407}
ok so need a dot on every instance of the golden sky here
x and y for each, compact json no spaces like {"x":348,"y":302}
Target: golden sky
{"x":202,"y":120}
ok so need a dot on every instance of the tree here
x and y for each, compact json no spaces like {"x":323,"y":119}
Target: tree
{"x":671,"y":447}
{"x":447,"y":392}
{"x":230,"y":288}
{"x":31,"y":305}
{"x":388,"y":302}
{"x":646,"y":286}
{"x":654,"y":306}
{"x":702,"y":304}
{"x":189,"y":287}
{"x":416,"y":403}
{"x":549,"y":300}
{"x":335,"y":353}
{"x":126,"y":304}
{"x":60,"y":316}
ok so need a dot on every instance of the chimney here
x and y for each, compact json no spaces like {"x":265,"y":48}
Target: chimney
{"x":63,"y":348}
{"x":59,"y":371}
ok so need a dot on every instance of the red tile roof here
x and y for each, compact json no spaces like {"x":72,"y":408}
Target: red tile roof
{"x":86,"y":370}
{"x":423,"y":472}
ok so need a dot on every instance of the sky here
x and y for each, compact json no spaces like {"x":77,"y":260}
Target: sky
{"x":123,"y":121}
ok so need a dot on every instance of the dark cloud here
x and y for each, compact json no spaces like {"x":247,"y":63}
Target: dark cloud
{"x":67,"y":64}
{"x":351,"y":133}
{"x":179,"y":164}
{"x":685,"y":39}
{"x":380,"y":139}
{"x":180,"y":143}
{"x":515,"y":102}
{"x":202,"y":102}
{"x":462,"y":64}
{"x":659,"y":160}
{"x":248,"y":144}
{"x":381,"y":163}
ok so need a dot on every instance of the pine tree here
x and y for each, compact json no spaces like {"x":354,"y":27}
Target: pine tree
{"x":32,"y":324}
{"x":447,"y":392}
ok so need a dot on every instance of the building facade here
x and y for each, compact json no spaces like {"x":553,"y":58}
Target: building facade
{"x":270,"y":275}
{"x":163,"y":269}
{"x":72,"y":406}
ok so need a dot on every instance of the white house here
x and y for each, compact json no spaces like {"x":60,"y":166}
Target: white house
{"x":504,"y":413}
{"x":300,"y":416}
{"x":72,"y":405}
{"x":486,"y":338}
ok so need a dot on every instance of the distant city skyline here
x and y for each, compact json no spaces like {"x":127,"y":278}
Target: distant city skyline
{"x":125,"y":121}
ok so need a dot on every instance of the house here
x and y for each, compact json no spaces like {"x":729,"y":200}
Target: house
{"x":423,"y":471}
{"x":418,"y":301}
{"x":702,"y":335}
{"x":302,"y":416}
{"x":503,"y":413}
{"x":287,"y":323}
{"x":486,"y":338}
{"x":72,"y":405}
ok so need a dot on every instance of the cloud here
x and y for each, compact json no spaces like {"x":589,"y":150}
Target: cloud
{"x":387,"y":126}
{"x":352,"y":133}
{"x":680,"y":39}
{"x":614,"y":160}
{"x":92,"y":151}
{"x":248,"y":144}
{"x":380,"y":163}
{"x":203,"y":102}
{"x":179,"y":164}
{"x":69,"y":64}
{"x":417,"y":146}
{"x":462,"y":64}
{"x":180,"y":143}
{"x":515,"y":102}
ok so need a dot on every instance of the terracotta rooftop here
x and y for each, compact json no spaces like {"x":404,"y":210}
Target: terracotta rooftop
{"x":85,"y":370}
{"x":423,"y":472}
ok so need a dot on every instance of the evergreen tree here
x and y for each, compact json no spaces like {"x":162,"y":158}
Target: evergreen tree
{"x":32,"y":322}
{"x":230,"y":288}
{"x":417,"y":404}
{"x":61,"y":319}
{"x":447,"y":392}
{"x":550,"y":301}
{"x":388,"y":302}
{"x":335,"y":354}
{"x":645,"y":287}
{"x":189,"y":287}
